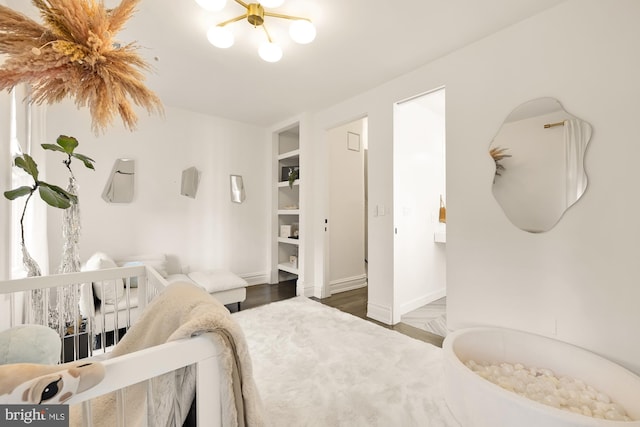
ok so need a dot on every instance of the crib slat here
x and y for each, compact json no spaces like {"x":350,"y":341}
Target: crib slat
{"x":150,"y":412}
{"x":86,"y":414}
{"x":116,"y":312}
{"x":120,"y":408}
{"x":12,"y":309}
{"x":103,"y":332}
{"x":209,"y":411}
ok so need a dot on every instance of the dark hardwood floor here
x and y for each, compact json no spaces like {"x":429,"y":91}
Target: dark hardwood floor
{"x":352,"y":302}
{"x":264,"y":294}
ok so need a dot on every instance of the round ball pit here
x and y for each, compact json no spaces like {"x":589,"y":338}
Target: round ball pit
{"x":477,"y":402}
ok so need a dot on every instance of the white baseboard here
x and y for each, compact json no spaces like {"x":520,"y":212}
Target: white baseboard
{"x":305,"y":289}
{"x":379,"y":313}
{"x":423,"y":300}
{"x":348,"y":284}
{"x":317,"y":292}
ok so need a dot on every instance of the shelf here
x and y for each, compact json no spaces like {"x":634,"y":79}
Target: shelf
{"x":289,"y":241}
{"x":288,"y":267}
{"x":289,"y":155}
{"x":286,"y":209}
{"x":286,"y":183}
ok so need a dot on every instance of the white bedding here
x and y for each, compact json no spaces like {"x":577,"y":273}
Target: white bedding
{"x":317,"y":366}
{"x":110,"y":317}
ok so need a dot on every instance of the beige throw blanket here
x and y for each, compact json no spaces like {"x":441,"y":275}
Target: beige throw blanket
{"x":184,"y":310}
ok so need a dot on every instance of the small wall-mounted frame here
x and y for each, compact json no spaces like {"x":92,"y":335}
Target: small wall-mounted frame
{"x":120,"y":185}
{"x":237,"y":189}
{"x":353,"y":141}
{"x":190,"y":182}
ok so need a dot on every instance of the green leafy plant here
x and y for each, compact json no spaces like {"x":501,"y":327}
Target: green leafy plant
{"x":293,"y":175}
{"x":67,"y":145}
{"x":50,"y":194}
{"x":70,"y":260}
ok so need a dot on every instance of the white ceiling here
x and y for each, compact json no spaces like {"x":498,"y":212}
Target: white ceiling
{"x":360,"y":44}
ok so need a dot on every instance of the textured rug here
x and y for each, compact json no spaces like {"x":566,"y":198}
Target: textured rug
{"x":317,"y":366}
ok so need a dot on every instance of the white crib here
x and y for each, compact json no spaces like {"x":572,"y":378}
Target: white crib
{"x":79,"y":339}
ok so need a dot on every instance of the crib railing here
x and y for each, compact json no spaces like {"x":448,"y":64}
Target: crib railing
{"x":123,"y":373}
{"x":140,"y":367}
{"x":54,"y":301}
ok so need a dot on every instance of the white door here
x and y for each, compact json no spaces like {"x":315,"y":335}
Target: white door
{"x":346,"y":229}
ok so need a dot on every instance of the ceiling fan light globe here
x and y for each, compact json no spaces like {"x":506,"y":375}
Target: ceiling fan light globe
{"x":302,"y":31}
{"x":212,"y":5}
{"x":220,"y":37}
{"x":270,"y":52}
{"x":271,"y":3}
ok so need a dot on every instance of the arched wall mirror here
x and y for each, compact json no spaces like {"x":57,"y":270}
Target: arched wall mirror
{"x":539,"y":156}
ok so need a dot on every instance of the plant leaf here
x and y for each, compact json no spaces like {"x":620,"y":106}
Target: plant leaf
{"x":56,"y":196}
{"x":72,"y":197}
{"x":18,"y":192}
{"x":53,"y":147}
{"x":26,"y":163}
{"x":53,"y":199}
{"x":88,"y":161}
{"x":68,"y":143}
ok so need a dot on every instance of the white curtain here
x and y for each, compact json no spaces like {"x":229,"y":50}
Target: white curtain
{"x":576,"y":137}
{"x":5,"y":184}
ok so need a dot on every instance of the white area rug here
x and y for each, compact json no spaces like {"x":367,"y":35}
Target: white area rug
{"x":317,"y":366}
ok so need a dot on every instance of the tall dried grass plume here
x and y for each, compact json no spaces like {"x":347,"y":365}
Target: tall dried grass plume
{"x":73,"y":53}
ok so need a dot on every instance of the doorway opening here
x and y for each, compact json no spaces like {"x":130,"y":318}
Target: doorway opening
{"x":347,"y":228}
{"x":419,"y":191}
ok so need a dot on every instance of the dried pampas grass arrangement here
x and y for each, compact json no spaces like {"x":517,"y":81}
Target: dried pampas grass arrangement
{"x":73,"y":53}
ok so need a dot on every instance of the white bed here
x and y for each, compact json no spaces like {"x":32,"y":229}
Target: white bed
{"x":312,"y":365}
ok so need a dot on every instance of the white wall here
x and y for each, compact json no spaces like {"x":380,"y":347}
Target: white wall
{"x":577,"y":282}
{"x":419,"y":182}
{"x":206,"y":232}
{"x":346,"y":208}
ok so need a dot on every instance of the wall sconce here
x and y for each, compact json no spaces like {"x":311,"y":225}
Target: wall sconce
{"x":190,"y":182}
{"x":237,"y":189}
{"x":119,"y":188}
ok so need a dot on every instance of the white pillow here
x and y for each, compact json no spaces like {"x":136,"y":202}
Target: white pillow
{"x":30,"y":344}
{"x":217,"y":280}
{"x":133,"y":281}
{"x":108,"y":290}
